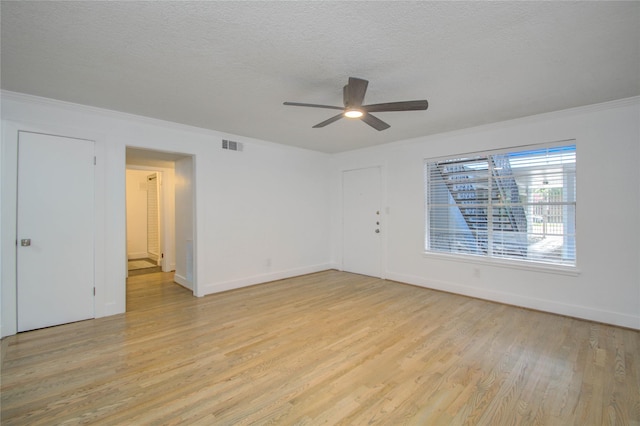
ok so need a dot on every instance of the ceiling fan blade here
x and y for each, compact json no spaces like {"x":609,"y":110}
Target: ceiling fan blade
{"x":312,"y":105}
{"x":354,"y":92}
{"x":374,"y":122}
{"x":397,"y":106}
{"x":329,"y":121}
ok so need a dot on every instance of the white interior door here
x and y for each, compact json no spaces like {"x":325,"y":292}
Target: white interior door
{"x":55,"y":259}
{"x":361,"y":221}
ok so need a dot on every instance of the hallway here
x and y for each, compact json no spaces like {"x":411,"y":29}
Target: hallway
{"x":154,"y":290}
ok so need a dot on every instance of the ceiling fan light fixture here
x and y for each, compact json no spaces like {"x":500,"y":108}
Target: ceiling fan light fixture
{"x":353,"y":113}
{"x":353,"y":97}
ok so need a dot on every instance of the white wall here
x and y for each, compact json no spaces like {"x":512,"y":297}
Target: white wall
{"x":607,"y":287}
{"x":261,"y":214}
{"x":273,"y":211}
{"x":3,"y":234}
{"x":184,"y":222}
{"x":136,"y":188}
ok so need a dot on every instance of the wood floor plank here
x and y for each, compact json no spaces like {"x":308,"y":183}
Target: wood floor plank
{"x":326,"y":348}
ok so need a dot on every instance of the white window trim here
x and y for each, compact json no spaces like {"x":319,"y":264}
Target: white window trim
{"x":505,"y":150}
{"x":527,"y":265}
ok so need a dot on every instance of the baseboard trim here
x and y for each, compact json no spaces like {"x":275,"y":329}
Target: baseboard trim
{"x":183,"y":281}
{"x":110,"y":308}
{"x":134,"y":256}
{"x":544,"y":305}
{"x":259,"y":279}
{"x":167,"y":267}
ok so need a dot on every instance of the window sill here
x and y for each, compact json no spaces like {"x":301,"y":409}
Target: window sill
{"x":504,"y":263}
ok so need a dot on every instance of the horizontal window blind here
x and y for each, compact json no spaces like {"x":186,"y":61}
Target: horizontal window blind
{"x":517,"y":205}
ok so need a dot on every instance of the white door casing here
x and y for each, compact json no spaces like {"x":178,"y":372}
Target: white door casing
{"x":153,"y":218}
{"x":55,"y":269}
{"x":362,"y":221}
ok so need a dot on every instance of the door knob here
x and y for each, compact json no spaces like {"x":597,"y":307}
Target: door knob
{"x":377,"y":231}
{"x":26,"y":242}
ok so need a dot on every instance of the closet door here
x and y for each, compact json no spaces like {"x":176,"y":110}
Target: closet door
{"x":55,"y":228}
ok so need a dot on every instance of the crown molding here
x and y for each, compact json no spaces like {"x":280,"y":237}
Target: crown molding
{"x":140,"y":119}
{"x":75,"y":107}
{"x":499,"y":125}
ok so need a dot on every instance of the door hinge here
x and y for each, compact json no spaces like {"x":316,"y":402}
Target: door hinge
{"x":94,"y":291}
{"x":94,"y":160}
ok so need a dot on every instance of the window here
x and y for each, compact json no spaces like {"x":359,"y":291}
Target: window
{"x":517,"y":205}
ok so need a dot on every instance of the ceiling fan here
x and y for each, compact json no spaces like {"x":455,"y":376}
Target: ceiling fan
{"x":353,"y":96}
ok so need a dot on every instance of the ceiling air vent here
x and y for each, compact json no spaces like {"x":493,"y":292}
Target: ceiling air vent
{"x":231,"y":145}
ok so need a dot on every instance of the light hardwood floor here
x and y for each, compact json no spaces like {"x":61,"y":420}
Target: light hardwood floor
{"x":326,"y":348}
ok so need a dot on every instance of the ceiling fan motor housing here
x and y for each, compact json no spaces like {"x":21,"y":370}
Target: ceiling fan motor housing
{"x":353,"y":97}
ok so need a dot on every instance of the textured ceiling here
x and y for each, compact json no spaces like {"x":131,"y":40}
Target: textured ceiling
{"x":228,"y":66}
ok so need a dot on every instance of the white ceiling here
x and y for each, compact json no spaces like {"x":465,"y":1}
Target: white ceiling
{"x":228,"y":66}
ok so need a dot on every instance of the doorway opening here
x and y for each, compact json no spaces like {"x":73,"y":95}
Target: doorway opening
{"x":148,"y":212}
{"x":160,"y":206}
